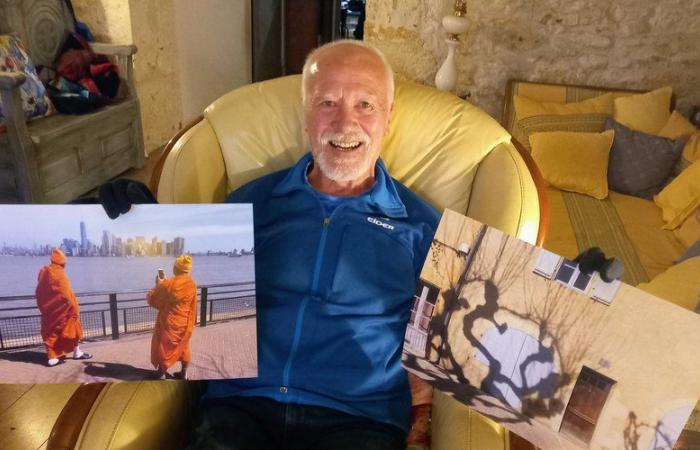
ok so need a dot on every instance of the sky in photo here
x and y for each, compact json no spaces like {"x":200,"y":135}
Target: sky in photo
{"x":220,"y":227}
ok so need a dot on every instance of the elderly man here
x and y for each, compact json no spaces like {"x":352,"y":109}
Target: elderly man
{"x":60,"y":313}
{"x":175,"y":299}
{"x":339,"y":246}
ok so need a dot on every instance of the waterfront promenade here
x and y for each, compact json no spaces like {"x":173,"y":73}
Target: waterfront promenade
{"x":226,"y":349}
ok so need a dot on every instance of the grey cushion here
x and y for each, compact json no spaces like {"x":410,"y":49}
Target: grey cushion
{"x":640,"y":163}
{"x":690,"y":252}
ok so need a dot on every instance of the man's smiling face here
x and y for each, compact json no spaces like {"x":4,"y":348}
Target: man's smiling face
{"x":347,"y":112}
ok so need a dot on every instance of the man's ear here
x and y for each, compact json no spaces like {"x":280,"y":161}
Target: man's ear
{"x":388,"y":120}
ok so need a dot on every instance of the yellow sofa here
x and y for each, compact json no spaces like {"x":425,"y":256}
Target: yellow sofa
{"x":445,"y":149}
{"x":623,"y":225}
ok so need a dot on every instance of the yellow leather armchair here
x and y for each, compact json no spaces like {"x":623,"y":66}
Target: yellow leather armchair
{"x":448,"y":151}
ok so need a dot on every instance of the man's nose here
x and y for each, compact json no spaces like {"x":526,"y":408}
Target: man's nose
{"x":345,"y":119}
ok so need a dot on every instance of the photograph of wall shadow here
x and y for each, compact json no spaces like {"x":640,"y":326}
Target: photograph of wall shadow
{"x":165,"y":291}
{"x":559,"y":357}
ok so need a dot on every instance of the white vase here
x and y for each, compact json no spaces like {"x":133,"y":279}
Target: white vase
{"x":446,"y":77}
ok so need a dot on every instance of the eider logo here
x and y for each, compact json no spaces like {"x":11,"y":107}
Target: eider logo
{"x":380,"y":223}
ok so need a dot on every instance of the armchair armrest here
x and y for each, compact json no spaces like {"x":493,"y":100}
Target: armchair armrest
{"x":104,"y":48}
{"x":506,"y":196}
{"x":191,"y":168}
{"x":10,"y":80}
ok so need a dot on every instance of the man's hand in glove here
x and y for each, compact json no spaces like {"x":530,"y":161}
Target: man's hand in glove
{"x":117,"y":196}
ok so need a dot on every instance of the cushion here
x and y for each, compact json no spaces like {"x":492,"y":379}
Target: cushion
{"x":584,"y":122}
{"x":640,"y":163}
{"x":14,"y":58}
{"x":527,"y":107}
{"x":678,"y":126}
{"x":689,"y":230}
{"x":691,"y":252}
{"x":681,"y":197}
{"x":572,"y":161}
{"x":679,"y":284}
{"x":691,"y":153}
{"x":647,"y":112}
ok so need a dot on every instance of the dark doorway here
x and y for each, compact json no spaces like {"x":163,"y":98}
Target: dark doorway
{"x":284,"y":32}
{"x":585,"y":405}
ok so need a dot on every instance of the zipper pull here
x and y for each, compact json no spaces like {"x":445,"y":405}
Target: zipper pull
{"x":326,"y":221}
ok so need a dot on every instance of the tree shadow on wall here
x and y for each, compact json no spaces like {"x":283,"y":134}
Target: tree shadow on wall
{"x":497,"y":274}
{"x":634,"y":429}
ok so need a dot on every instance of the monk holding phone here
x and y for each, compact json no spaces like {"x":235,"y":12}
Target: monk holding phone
{"x":175,"y":299}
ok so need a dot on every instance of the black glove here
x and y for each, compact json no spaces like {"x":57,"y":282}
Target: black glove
{"x":593,"y":259}
{"x":117,"y":196}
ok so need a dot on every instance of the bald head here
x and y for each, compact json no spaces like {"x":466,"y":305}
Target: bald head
{"x":348,"y":92}
{"x":351,"y":55}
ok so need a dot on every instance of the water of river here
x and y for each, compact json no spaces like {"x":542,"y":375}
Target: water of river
{"x":18,"y":274}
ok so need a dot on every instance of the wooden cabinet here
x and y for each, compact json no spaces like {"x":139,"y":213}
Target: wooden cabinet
{"x":57,"y":158}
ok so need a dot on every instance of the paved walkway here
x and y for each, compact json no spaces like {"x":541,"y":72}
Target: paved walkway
{"x":221,"y":350}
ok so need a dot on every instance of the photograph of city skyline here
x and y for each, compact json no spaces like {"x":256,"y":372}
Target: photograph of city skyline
{"x":121,"y":285}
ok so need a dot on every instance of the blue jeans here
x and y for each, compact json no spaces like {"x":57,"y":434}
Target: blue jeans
{"x":242,"y":423}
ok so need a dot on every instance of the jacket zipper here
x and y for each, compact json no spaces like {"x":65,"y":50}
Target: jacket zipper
{"x":302,"y":308}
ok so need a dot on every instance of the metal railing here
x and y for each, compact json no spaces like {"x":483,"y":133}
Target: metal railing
{"x":113,"y":314}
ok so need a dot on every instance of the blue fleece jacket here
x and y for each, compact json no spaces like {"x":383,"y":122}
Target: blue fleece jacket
{"x":334,"y":294}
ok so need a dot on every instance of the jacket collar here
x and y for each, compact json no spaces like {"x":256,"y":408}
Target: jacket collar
{"x":382,"y":197}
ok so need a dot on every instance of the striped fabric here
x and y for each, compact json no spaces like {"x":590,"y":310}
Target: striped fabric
{"x":597,"y":223}
{"x":587,"y":123}
{"x":546,"y":93}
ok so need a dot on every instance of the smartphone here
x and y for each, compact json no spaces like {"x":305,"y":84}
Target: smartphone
{"x":161,"y":274}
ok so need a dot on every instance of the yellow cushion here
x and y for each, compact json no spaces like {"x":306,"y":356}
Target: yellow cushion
{"x":677,"y":126}
{"x":689,"y":231}
{"x":680,"y":284}
{"x":691,"y":151}
{"x":527,"y":107}
{"x":647,"y":112}
{"x":581,"y":123}
{"x":576,"y":162}
{"x":681,"y":197}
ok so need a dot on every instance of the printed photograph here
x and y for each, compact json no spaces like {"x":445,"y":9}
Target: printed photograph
{"x":163,"y":292}
{"x":562,"y":358}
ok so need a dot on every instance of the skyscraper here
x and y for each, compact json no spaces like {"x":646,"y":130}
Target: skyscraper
{"x":83,"y":239}
{"x":105,"y":250}
{"x":179,"y":246}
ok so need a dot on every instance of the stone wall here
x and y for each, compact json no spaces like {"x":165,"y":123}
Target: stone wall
{"x":150,"y":25}
{"x":626,"y":43}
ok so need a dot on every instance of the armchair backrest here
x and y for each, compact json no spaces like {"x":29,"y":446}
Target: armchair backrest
{"x":42,"y":25}
{"x":435,"y":141}
{"x":446,"y":150}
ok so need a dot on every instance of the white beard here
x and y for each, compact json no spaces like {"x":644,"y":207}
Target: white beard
{"x":335,"y":167}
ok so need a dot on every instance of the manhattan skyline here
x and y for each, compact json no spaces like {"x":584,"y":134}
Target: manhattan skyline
{"x":204,"y":227}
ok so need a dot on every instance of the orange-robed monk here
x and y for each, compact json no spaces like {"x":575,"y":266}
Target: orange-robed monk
{"x":176,"y":301}
{"x":60,"y":313}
